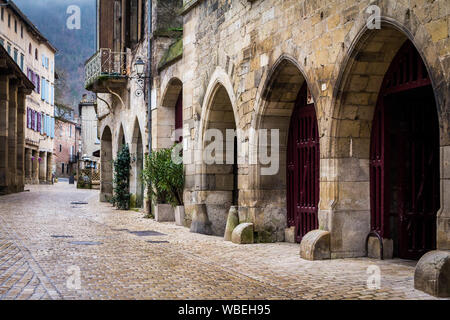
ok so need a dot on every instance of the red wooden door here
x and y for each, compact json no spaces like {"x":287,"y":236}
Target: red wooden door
{"x":404,"y":160}
{"x":303,"y":167}
{"x":179,"y":118}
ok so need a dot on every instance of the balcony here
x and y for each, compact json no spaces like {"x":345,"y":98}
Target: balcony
{"x":106,"y":70}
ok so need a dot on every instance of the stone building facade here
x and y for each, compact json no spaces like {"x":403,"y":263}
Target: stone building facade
{"x":243,"y":66}
{"x":123,"y":99}
{"x":14,"y":87}
{"x":36,"y":57}
{"x":323,"y":77}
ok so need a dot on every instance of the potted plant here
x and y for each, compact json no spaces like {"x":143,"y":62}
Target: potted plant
{"x":174,"y":184}
{"x":165,"y":182}
{"x":153,"y":177}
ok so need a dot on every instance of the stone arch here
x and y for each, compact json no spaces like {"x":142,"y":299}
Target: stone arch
{"x":137,"y":165}
{"x":167,"y":113}
{"x":345,"y":196}
{"x":106,"y":167}
{"x":412,"y":29}
{"x":218,"y":186}
{"x":274,"y":108}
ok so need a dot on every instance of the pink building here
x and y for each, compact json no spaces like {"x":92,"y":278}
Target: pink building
{"x":66,"y":146}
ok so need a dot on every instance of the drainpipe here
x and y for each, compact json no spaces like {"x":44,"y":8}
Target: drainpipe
{"x":150,"y":82}
{"x":149,"y":86}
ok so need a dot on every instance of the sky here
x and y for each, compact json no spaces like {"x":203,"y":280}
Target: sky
{"x":72,"y":32}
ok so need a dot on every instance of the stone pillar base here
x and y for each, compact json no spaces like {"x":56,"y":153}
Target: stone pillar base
{"x":289,"y":235}
{"x":432,"y":274}
{"x":200,"y":222}
{"x":315,"y":245}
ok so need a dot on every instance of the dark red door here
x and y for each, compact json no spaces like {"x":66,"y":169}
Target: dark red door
{"x":179,"y":118}
{"x":303,"y":167}
{"x":404,"y":160}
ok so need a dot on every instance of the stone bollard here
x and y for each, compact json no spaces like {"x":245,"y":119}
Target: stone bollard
{"x":243,"y":234}
{"x":232,"y":222}
{"x":315,"y":245}
{"x":432,"y":274}
{"x":200,"y":221}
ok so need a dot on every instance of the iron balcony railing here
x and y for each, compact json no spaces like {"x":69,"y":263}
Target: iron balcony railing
{"x":106,"y":63}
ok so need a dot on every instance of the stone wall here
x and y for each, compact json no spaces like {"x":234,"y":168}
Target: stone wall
{"x":261,"y":52}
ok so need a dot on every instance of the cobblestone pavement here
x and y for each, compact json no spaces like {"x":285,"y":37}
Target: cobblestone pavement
{"x":50,"y":232}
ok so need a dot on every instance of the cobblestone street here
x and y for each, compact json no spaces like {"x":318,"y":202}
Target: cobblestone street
{"x":50,"y":231}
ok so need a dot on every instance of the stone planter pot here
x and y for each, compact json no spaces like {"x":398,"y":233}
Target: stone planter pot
{"x":164,"y":213}
{"x":179,"y":215}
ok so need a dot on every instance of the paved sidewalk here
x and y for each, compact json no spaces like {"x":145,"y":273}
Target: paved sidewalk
{"x":49,"y":234}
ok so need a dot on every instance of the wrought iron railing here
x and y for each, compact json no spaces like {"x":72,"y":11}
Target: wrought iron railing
{"x":106,"y":63}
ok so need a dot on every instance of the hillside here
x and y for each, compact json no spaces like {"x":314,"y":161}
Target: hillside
{"x":74,"y":46}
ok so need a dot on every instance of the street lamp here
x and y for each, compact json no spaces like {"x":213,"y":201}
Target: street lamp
{"x":139,"y":66}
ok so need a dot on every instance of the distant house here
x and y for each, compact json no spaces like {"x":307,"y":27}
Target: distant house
{"x":67,"y":135}
{"x":90,"y":144}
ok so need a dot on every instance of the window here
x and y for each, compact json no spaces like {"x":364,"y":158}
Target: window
{"x":9,"y":20}
{"x":60,"y":148}
{"x":70,"y":131}
{"x":9,"y":48}
{"x":133,"y":22}
{"x":62,"y":167}
{"x":2,"y":42}
{"x":3,"y":13}
{"x":16,"y":53}
{"x":52,"y":95}
{"x":30,"y":49}
{"x":47,"y":91}
{"x":21,"y":31}
{"x":22,"y":57}
{"x":15,"y":25}
{"x":42,"y":88}
{"x":28,"y":118}
{"x":36,"y":54}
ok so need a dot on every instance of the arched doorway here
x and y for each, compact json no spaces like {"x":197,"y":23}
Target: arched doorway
{"x":220,"y":172}
{"x":302,"y":170}
{"x":106,"y":179}
{"x":169,"y":116}
{"x":359,"y":205}
{"x":287,"y":200}
{"x":137,"y":156}
{"x":404,"y":157}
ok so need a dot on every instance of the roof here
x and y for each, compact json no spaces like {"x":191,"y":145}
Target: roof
{"x":12,"y":65}
{"x":29,"y":24}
